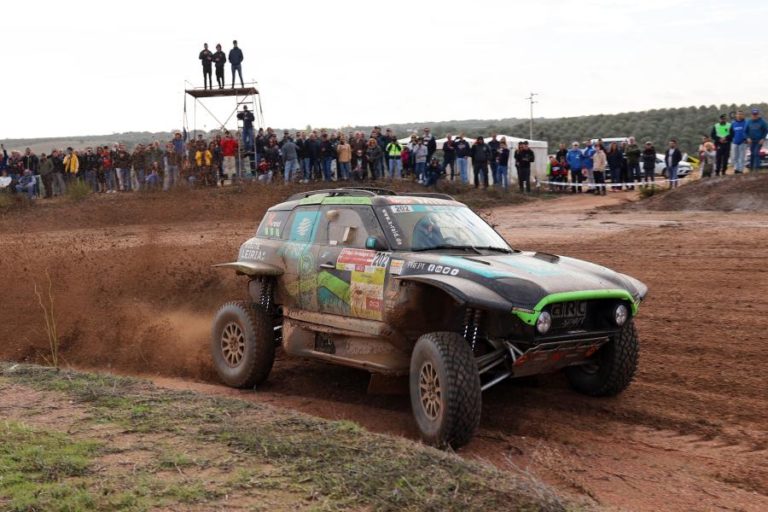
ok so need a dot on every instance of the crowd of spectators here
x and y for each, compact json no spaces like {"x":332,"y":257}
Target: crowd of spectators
{"x":322,"y":155}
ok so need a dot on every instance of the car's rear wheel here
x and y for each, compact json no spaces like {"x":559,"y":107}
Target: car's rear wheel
{"x":445,"y":389}
{"x":611,"y":369}
{"x":242,"y":344}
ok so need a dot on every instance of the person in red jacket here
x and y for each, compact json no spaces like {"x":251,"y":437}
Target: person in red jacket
{"x":229,"y":151}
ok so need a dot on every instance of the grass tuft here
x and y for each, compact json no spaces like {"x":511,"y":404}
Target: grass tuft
{"x":78,"y":190}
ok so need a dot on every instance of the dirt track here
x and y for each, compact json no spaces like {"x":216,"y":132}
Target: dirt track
{"x":691,"y":433}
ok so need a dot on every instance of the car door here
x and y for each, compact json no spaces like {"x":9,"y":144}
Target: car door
{"x":298,"y":253}
{"x":350,"y":277}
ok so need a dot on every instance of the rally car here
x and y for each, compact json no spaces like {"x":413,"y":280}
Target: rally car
{"x":419,"y":285}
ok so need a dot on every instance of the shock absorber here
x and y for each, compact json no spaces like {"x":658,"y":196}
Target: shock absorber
{"x":468,"y":317}
{"x":476,"y":327}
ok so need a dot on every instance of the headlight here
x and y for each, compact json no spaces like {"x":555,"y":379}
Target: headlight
{"x":544,"y":322}
{"x":620,"y":314}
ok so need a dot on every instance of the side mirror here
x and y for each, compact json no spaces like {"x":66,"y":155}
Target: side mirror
{"x":374,"y":243}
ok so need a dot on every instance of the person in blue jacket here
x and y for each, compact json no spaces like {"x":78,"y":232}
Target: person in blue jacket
{"x":739,"y":141}
{"x":236,"y":61}
{"x":575,"y":160}
{"x":756,"y":131}
{"x":587,"y":163}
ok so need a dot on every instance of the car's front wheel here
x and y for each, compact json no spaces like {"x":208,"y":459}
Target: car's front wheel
{"x":445,"y":389}
{"x":242,"y":344}
{"x":611,"y":369}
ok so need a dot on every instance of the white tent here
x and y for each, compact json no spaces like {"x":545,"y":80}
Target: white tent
{"x":539,"y":147}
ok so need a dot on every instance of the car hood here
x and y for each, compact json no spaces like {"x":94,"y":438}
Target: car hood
{"x":523,"y":279}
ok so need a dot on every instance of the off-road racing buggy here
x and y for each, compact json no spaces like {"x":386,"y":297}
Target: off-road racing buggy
{"x":419,"y":285}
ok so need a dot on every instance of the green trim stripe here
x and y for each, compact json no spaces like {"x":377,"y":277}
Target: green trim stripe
{"x":324,"y":199}
{"x":530,"y":317}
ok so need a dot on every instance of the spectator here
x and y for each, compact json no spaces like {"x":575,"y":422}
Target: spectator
{"x":27,"y":184}
{"x":575,"y":160}
{"x":30,"y":161}
{"x":671,"y":160}
{"x":204,"y":165}
{"x":502,"y":165}
{"x":481,"y":157}
{"x":344,"y":156}
{"x":431,"y":143}
{"x":152,"y":181}
{"x":358,"y":165}
{"x":246,"y":116}
{"x":493,"y":145}
{"x":599,"y":164}
{"x":739,"y":139}
{"x":219,"y":59}
{"x":46,"y":175}
{"x":562,"y":152}
{"x":139,"y":163}
{"x":756,"y":130}
{"x":91,"y":163}
{"x":272,"y":159}
{"x":313,"y":150}
{"x":432,"y":173}
{"x":172,"y":161}
{"x":290,"y":154}
{"x":206,"y":57}
{"x":649,"y":162}
{"x":524,"y":157}
{"x":721,"y":134}
{"x":420,"y":153}
{"x":393,"y":152}
{"x":59,"y":185}
{"x":327,"y":156}
{"x":449,"y":156}
{"x":122,"y":162}
{"x":107,"y":171}
{"x":71,"y":165}
{"x":3,"y":158}
{"x":587,"y":163}
{"x":463,"y":150}
{"x":407,"y":157}
{"x":632,"y":154}
{"x":236,"y":61}
{"x":374,"y":155}
{"x":229,"y":152}
{"x":708,"y":159}
{"x":615,"y":159}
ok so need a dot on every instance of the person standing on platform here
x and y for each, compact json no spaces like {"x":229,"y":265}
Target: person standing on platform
{"x":236,"y":60}
{"x":219,"y":59}
{"x":206,"y":57}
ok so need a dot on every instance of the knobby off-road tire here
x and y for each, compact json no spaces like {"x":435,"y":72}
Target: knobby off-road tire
{"x":445,"y":389}
{"x":242,"y":344}
{"x":613,"y":369}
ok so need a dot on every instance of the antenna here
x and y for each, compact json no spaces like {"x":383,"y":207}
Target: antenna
{"x":530,"y":126}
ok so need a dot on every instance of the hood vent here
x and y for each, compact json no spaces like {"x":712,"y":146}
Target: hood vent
{"x":551,"y":258}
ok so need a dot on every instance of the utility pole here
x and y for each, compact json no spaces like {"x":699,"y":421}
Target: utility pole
{"x":530,"y":126}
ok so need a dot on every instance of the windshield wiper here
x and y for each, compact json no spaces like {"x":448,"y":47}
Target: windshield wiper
{"x":497,"y":249}
{"x":448,"y":246}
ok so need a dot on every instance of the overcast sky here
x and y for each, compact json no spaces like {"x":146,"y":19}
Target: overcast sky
{"x":81,"y":68}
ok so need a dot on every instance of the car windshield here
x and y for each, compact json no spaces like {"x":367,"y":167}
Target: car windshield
{"x":434,"y":227}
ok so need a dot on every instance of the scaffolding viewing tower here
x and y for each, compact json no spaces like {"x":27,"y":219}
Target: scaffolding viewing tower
{"x":243,"y":96}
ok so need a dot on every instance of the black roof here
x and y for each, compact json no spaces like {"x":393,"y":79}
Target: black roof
{"x":366,"y":192}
